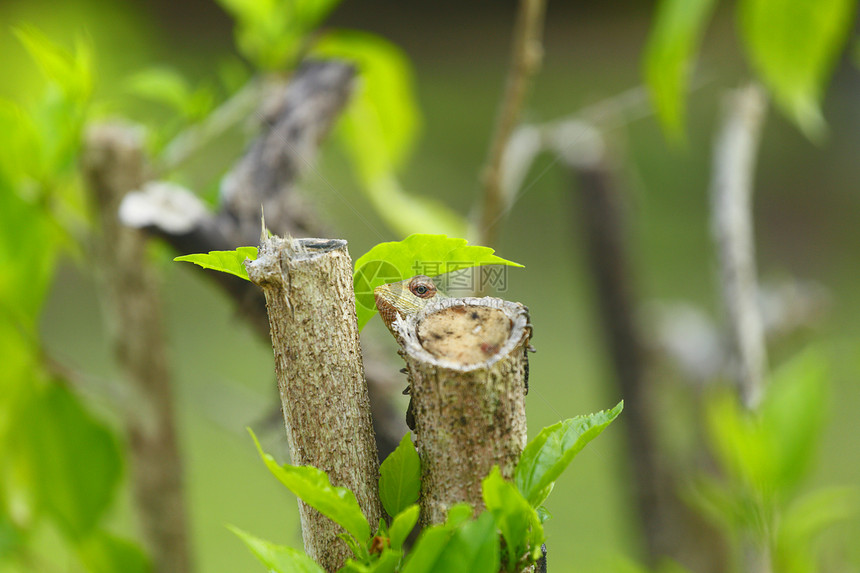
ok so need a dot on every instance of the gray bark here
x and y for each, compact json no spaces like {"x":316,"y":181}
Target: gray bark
{"x":735,"y":154}
{"x":468,"y":377}
{"x":309,"y":295}
{"x":732,"y":225}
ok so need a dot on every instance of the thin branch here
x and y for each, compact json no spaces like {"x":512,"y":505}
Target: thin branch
{"x":525,"y":62}
{"x":732,"y":226}
{"x":229,"y":114}
{"x":573,"y":138}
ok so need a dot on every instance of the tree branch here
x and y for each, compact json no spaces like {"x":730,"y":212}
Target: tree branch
{"x":732,"y":226}
{"x":294,"y":120}
{"x":114,"y":164}
{"x":669,"y":527}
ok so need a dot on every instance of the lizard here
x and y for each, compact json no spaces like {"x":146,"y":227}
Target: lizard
{"x":407,"y":297}
{"x":404,"y":298}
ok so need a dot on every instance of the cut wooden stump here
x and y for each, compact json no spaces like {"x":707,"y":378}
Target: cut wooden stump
{"x":468,"y":370}
{"x":311,"y":307}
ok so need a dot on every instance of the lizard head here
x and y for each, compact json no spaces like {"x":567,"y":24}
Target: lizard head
{"x":404,"y":298}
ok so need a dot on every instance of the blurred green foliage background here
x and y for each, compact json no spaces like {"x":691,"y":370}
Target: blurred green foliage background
{"x":807,"y":212}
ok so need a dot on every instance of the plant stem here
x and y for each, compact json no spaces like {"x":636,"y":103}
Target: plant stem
{"x":525,"y":63}
{"x":669,"y":528}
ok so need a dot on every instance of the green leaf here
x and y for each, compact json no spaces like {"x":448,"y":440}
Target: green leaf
{"x":277,"y":558}
{"x":397,"y":260}
{"x":161,"y":84}
{"x":818,"y":510}
{"x":735,"y":439}
{"x":168,"y":87}
{"x":23,"y":157}
{"x":43,"y":143}
{"x":721,"y":504}
{"x":769,"y":451}
{"x":515,"y":517}
{"x":21,"y":372}
{"x":402,"y":525}
{"x":232,"y":262}
{"x":359,"y":550}
{"x":794,"y":47}
{"x":75,"y":461}
{"x":474,"y":548}
{"x":427,"y":550}
{"x":378,"y":130}
{"x":793,"y":414}
{"x":672,"y":45}
{"x":447,"y":548}
{"x":805,"y":519}
{"x":459,"y":514}
{"x":233,"y":74}
{"x":103,"y":552}
{"x":29,"y":248}
{"x":551,"y":451}
{"x":400,"y":477}
{"x":385,"y":103}
{"x":71,"y":72}
{"x":543,"y":513}
{"x":271,"y":33}
{"x":312,"y":485}
{"x":382,"y":528}
{"x":387,"y":562}
{"x":201,"y":102}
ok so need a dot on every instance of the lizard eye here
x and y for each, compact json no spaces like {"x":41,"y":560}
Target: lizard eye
{"x":422,"y":287}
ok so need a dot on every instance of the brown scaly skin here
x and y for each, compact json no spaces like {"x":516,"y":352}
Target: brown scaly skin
{"x":404,"y":298}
